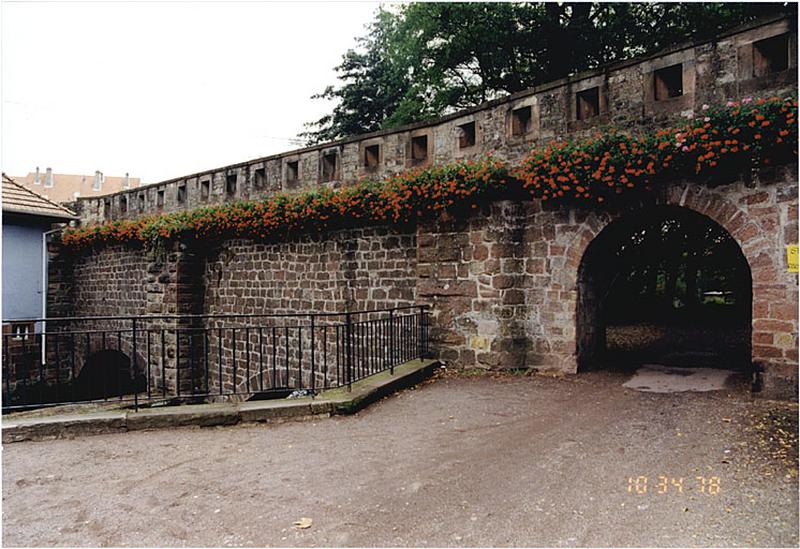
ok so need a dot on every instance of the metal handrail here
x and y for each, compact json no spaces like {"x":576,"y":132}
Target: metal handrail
{"x":178,"y":361}
{"x":212,"y":315}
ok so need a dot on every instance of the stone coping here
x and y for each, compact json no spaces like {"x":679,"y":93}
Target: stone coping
{"x":327,"y":403}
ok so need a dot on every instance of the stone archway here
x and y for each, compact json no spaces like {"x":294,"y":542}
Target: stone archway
{"x":634,"y":247}
{"x":753,"y":218}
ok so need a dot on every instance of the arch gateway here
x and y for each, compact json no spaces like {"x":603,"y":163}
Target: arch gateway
{"x":670,"y":285}
{"x":511,"y":284}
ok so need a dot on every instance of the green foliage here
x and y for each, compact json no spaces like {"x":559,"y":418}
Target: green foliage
{"x":428,"y":59}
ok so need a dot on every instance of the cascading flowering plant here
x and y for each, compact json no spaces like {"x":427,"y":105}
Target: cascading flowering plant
{"x":399,"y":199}
{"x":721,"y":143}
{"x":726,"y":140}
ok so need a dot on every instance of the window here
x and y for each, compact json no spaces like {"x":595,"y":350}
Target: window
{"x":160,"y":198}
{"x":668,"y":82}
{"x":466,"y":135}
{"x":587,"y":103}
{"x":521,"y":121}
{"x":20,"y":331}
{"x":771,"y":55}
{"x":292,"y":170}
{"x":123,"y":204}
{"x":330,"y":164}
{"x":419,"y":149}
{"x":205,"y":189}
{"x":260,"y":178}
{"x":106,"y":208}
{"x":141,"y":202}
{"x":372,"y":156}
{"x":181,"y":195}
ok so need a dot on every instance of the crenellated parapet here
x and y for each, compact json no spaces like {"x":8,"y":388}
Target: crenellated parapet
{"x":641,"y":93}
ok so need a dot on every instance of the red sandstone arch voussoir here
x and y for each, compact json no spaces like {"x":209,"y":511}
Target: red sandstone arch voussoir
{"x":731,"y":216}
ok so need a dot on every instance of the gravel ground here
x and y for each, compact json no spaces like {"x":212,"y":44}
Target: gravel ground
{"x":459,"y":461}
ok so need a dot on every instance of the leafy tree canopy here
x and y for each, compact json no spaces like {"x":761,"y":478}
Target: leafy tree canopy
{"x":423,"y":60}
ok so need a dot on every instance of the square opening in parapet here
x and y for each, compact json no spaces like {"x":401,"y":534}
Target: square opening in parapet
{"x":419,"y":149}
{"x":668,"y":82}
{"x":372,"y":156}
{"x":771,"y":55}
{"x":587,"y":103}
{"x":466,"y":135}
{"x":521,"y":121}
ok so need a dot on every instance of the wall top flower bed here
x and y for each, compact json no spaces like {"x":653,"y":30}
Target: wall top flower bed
{"x":722,"y":140}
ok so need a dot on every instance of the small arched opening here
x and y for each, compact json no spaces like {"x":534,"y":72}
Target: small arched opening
{"x":664,"y":285}
{"x":108,"y":373}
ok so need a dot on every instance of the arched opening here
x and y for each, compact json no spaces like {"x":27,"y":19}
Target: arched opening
{"x":664,"y":285}
{"x":108,"y":373}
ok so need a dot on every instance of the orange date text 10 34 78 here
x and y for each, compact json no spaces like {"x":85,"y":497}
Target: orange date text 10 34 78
{"x":677,"y":485}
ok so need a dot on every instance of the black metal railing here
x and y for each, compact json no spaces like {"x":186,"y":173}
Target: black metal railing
{"x":150,"y":359}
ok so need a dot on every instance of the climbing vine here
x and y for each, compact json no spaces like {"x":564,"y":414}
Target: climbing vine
{"x":721,"y":141}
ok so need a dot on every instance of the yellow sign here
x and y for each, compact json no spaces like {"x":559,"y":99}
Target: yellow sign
{"x":791,"y":258}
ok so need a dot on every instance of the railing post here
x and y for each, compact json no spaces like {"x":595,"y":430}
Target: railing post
{"x":421,"y":334}
{"x":391,"y":342}
{"x":313,"y":358}
{"x":348,"y":348}
{"x":133,"y":370}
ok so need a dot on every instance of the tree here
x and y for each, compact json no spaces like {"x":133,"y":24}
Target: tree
{"x":428,"y":59}
{"x":375,"y":83}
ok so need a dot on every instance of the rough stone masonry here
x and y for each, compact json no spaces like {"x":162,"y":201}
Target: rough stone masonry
{"x":503,"y":283}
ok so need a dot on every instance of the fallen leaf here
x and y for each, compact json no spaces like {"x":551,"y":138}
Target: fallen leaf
{"x":303,"y":523}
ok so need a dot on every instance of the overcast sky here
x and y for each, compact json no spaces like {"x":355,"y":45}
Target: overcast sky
{"x":162,"y":90}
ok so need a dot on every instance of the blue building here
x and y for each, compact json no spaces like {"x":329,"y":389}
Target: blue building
{"x":27,"y":220}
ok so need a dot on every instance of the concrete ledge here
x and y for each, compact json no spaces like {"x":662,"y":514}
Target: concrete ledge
{"x":63,"y":426}
{"x":201,"y":415}
{"x":327,"y":403}
{"x":267,"y":410}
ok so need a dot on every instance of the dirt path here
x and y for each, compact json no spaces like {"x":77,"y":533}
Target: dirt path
{"x":510,"y":461}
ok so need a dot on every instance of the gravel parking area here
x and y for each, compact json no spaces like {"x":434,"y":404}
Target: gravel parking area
{"x":459,"y":461}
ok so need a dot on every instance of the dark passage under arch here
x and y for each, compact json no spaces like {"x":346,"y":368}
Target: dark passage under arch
{"x":664,"y":285}
{"x":107,"y":373}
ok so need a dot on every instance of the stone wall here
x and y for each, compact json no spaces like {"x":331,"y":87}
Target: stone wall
{"x":358,"y":269}
{"x":207,"y":286}
{"x":350,"y":270}
{"x":125,"y":281}
{"x":112,"y":279}
{"x":503,"y":281}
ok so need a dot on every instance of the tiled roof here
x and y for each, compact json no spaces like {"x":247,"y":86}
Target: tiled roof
{"x":19,"y":200}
